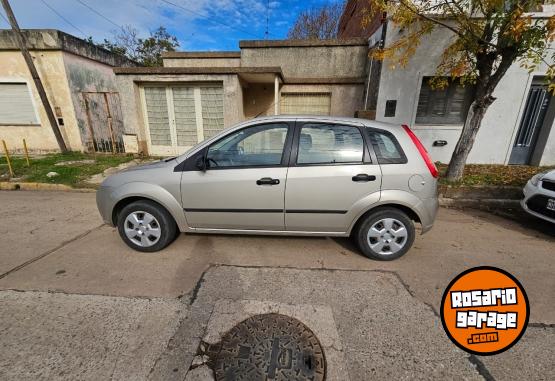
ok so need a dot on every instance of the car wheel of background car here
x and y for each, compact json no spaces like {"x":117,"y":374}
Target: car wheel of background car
{"x":146,"y":226}
{"x":385,"y":234}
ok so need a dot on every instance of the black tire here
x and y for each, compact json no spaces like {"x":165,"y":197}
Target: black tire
{"x":362,"y":240}
{"x":168,"y":227}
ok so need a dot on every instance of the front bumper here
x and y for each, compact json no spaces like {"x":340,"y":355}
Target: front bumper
{"x":105,"y":204}
{"x":534,"y":196}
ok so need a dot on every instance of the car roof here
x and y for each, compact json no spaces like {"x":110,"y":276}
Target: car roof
{"x":327,"y":118}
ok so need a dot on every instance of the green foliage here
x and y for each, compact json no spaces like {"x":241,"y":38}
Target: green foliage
{"x":146,"y":51}
{"x":72,"y":175}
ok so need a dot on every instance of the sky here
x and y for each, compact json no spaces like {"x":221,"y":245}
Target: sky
{"x":198,"y":24}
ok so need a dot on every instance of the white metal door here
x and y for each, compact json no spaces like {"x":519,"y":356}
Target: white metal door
{"x":179,"y":117}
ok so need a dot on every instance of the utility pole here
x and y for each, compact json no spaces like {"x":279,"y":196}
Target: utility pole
{"x":20,"y":40}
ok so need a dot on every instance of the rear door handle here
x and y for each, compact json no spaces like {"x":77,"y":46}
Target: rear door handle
{"x":267,"y":181}
{"x":363,"y":177}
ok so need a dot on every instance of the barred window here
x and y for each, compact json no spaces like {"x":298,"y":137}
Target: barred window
{"x":443,"y":106}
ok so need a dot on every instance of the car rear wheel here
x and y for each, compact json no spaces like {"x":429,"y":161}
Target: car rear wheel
{"x":146,"y":226}
{"x":386,"y":234}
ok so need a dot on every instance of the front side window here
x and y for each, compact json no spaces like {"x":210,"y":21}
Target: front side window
{"x":330,"y":144}
{"x":254,"y":146}
{"x":448,"y":105}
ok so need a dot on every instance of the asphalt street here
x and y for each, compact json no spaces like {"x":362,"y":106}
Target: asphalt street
{"x":78,"y":304}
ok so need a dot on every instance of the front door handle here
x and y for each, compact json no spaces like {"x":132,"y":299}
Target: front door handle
{"x":267,"y":181}
{"x":363,"y":177}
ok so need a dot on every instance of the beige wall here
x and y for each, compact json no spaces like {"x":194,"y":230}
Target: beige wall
{"x":133,"y":117}
{"x":310,"y":62}
{"x":50,"y":66}
{"x":258,"y":99}
{"x":202,"y":62}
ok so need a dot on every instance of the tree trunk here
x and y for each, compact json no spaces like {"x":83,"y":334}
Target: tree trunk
{"x":472,"y":124}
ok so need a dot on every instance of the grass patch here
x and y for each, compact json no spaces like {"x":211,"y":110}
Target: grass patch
{"x":496,"y":175}
{"x":72,"y":175}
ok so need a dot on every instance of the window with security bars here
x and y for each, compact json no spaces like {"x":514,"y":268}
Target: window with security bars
{"x":16,"y":106}
{"x":212,"y":100}
{"x":305,"y":103}
{"x":448,"y":105}
{"x":185,"y":116}
{"x":157,"y":114}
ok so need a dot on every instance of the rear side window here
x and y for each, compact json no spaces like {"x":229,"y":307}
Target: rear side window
{"x":387,"y":148}
{"x":330,"y":144}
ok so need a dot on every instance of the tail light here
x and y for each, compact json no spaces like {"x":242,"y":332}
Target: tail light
{"x":429,"y":163}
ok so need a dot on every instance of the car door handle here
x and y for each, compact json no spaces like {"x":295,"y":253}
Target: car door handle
{"x":267,"y":181}
{"x":363,"y":177}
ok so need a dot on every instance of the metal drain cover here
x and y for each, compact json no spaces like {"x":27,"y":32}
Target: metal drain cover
{"x":269,"y":347}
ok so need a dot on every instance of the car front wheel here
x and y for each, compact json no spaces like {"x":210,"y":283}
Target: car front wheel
{"x":386,"y":234}
{"x":146,"y":226}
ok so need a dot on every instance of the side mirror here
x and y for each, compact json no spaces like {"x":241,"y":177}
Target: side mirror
{"x":201,"y":163}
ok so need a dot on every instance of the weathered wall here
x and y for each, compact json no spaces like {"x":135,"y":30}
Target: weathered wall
{"x":310,"y":62}
{"x":494,"y":140}
{"x":85,"y":75}
{"x":52,"y":72}
{"x":51,"y":39}
{"x":202,"y":62}
{"x":129,"y":89}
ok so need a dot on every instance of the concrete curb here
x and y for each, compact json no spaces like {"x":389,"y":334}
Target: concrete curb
{"x":503,"y":192}
{"x":4,"y":185}
{"x":484,"y":203}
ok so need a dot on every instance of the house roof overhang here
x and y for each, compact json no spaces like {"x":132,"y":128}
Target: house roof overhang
{"x":249,"y":74}
{"x":217,"y":54}
{"x":359,"y":41}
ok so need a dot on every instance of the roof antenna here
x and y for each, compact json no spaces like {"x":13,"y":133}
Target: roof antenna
{"x":267,"y":19}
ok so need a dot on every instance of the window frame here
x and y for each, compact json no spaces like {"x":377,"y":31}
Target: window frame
{"x":466,"y":104}
{"x":22,"y":81}
{"x":367,"y":158}
{"x":190,"y":163}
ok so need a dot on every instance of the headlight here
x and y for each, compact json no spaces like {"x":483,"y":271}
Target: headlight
{"x":536,"y":178}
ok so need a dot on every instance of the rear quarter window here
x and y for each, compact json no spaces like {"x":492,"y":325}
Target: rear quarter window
{"x":387,"y":148}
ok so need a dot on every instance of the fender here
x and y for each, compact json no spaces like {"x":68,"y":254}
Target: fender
{"x":393,"y":196}
{"x":152,"y":192}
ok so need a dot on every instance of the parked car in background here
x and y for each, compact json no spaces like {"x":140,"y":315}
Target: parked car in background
{"x":539,"y":196}
{"x":283,"y":175}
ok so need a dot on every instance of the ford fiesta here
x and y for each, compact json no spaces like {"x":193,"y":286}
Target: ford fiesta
{"x":283,"y":175}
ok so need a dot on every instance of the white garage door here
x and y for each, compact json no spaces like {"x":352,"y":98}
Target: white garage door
{"x":178,"y":117}
{"x":305,"y":103}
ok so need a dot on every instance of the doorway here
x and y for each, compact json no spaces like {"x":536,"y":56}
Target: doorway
{"x":535,"y":123}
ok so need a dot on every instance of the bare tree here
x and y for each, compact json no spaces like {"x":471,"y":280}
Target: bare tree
{"x":317,"y":23}
{"x":146,"y":51}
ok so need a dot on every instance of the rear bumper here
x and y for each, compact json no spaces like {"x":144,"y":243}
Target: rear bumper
{"x":428,"y":213}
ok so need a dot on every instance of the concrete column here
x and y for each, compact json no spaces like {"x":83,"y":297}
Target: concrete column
{"x":276,"y":95}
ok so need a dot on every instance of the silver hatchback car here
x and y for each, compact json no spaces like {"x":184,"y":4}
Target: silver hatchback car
{"x":283,"y":175}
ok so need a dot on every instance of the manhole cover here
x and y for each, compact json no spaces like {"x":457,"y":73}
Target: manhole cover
{"x":269,"y":347}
